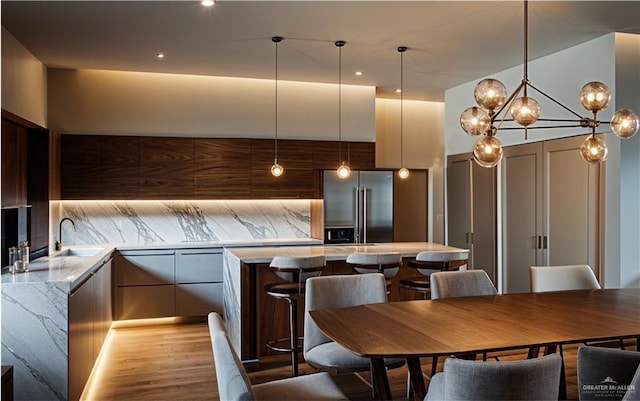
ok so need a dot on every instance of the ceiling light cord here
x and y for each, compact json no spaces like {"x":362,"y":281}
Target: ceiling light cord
{"x":343,"y":170}
{"x":276,"y":169}
{"x":403,"y":172}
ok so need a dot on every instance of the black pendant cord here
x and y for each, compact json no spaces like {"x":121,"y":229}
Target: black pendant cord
{"x":340,"y":103}
{"x":402,"y":49}
{"x":276,"y":40}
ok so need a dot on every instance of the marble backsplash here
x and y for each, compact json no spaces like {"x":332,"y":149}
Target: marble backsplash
{"x":99,"y":222}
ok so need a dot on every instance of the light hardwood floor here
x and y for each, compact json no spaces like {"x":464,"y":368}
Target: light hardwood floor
{"x":175,"y":362}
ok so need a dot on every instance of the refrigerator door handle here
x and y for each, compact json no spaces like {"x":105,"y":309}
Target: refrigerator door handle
{"x":364,"y":213}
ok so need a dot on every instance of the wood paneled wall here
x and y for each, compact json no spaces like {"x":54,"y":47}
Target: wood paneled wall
{"x":130,"y":167}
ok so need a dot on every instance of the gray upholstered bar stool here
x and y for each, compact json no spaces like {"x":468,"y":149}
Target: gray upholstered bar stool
{"x":294,"y":271}
{"x":428,"y":262}
{"x":387,"y":263}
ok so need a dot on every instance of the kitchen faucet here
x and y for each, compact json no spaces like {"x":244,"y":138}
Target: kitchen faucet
{"x":59,"y":242}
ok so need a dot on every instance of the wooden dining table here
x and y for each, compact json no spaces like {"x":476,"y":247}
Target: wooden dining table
{"x":414,"y":329}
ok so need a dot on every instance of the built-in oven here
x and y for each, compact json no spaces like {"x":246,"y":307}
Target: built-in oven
{"x":339,"y":235}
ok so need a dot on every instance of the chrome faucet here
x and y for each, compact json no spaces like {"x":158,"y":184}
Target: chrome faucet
{"x":59,"y":242}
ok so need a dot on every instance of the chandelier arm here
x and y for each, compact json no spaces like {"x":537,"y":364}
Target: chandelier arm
{"x":545,"y":127}
{"x":554,"y":100}
{"x":508,"y":101}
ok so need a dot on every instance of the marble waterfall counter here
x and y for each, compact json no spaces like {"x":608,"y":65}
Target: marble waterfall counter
{"x":35,"y":309}
{"x":245,"y":272}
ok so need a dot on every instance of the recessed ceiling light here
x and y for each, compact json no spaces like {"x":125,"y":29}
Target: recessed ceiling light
{"x":207,"y":3}
{"x":159,"y":55}
{"x":398,"y":90}
{"x":359,"y":73}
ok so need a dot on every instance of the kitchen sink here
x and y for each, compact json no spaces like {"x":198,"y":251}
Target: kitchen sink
{"x":77,"y":252}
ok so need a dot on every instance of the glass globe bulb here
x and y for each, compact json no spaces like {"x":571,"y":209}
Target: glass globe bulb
{"x":490,"y":94}
{"x":525,"y":111}
{"x":276,"y":169}
{"x":625,"y":123}
{"x":595,"y":96}
{"x":593,"y":150}
{"x":487,"y":151}
{"x":475,"y":121}
{"x":343,"y":171}
{"x":403,"y":173}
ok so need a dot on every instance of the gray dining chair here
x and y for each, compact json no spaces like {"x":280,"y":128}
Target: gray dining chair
{"x":529,"y":379}
{"x":340,"y":291}
{"x":466,"y":283}
{"x":608,"y":374}
{"x":234,"y":384}
{"x":455,"y":284}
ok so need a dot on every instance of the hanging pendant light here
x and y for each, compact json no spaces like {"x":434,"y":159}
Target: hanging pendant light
{"x":403,"y":173}
{"x":276,"y":170}
{"x":491,"y":96}
{"x":343,"y":170}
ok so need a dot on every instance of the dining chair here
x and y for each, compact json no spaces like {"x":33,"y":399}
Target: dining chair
{"x":294,"y":270}
{"x":466,"y":283}
{"x":428,"y":262}
{"x":562,"y":278}
{"x":340,"y":291}
{"x":529,"y":379}
{"x":234,"y":384}
{"x":608,"y":374}
{"x":387,"y":263}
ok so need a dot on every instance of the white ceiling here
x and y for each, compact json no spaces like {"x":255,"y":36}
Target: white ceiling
{"x":450,"y":42}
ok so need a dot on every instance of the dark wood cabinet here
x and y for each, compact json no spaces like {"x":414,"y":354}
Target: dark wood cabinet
{"x":222,"y":168}
{"x":166,"y":168}
{"x":27,"y":182}
{"x":14,"y":164}
{"x":128,"y":167}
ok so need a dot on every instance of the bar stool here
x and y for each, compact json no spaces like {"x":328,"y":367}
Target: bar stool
{"x":387,"y":263}
{"x":294,"y":271}
{"x":428,"y":262}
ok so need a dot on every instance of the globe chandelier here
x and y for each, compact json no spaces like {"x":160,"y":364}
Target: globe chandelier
{"x":494,"y":106}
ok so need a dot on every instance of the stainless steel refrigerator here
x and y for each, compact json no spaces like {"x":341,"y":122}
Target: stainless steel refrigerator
{"x":359,"y":208}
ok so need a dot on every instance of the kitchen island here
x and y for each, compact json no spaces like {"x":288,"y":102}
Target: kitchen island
{"x":247,"y":309}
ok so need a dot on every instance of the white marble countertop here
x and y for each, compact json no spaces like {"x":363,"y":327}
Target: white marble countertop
{"x":70,"y":271}
{"x":337,"y":252}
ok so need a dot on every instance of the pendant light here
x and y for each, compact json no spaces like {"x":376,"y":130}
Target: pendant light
{"x":343,"y":170}
{"x":403,"y":173}
{"x":276,"y":170}
{"x":493,"y":101}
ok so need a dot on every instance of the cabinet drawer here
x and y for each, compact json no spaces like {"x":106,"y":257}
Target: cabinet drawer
{"x":145,"y":269}
{"x":145,"y":302}
{"x":198,"y":299}
{"x":198,"y":266}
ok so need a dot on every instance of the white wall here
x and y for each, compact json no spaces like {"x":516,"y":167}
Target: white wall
{"x":560,"y":75}
{"x":24,"y":82}
{"x":423,"y":138}
{"x":627,"y":95}
{"x":136,"y":103}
